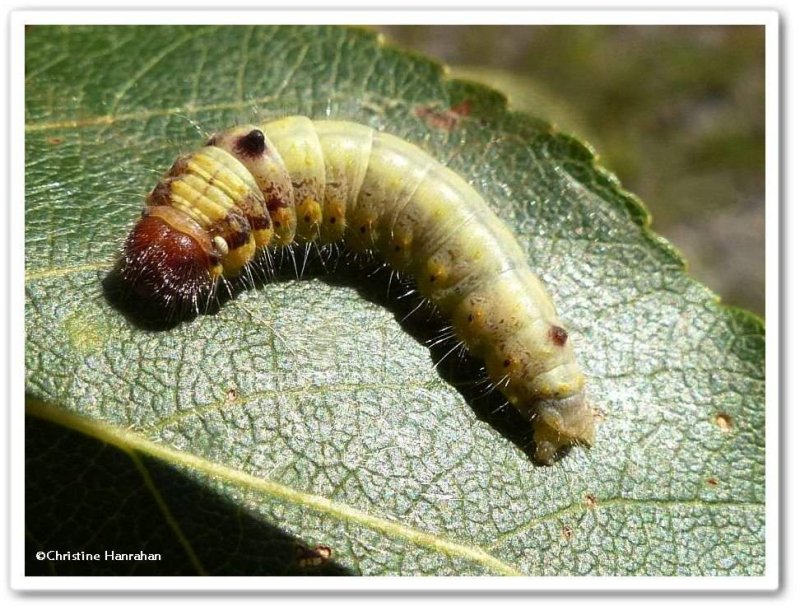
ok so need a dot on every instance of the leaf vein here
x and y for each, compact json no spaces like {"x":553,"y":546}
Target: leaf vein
{"x":129,"y":441}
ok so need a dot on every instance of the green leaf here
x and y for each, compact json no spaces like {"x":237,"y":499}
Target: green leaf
{"x":309,"y":412}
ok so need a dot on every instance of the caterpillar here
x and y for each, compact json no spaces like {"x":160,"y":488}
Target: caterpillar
{"x":298,"y":180}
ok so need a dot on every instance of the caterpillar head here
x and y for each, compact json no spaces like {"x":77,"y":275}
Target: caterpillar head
{"x":169,"y":260}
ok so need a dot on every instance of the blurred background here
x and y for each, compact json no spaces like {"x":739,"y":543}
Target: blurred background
{"x":677,"y":112}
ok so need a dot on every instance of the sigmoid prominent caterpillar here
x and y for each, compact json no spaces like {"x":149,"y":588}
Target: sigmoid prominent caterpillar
{"x":297,"y":180}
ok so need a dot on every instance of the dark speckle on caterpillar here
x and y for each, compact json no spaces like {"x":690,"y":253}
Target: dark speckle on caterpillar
{"x":299,"y":181}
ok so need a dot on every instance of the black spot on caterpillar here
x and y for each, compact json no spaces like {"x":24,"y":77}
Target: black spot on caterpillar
{"x":334,"y":182}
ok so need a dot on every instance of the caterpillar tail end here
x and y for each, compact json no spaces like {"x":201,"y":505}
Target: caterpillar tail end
{"x":561,"y":423}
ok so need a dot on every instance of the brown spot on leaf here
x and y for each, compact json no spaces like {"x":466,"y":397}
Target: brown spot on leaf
{"x":446,"y":120}
{"x":724,"y":422}
{"x":462,"y":108}
{"x":312,"y":558}
{"x":590,"y":500}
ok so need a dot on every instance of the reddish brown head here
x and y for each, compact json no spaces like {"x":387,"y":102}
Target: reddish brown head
{"x":167,"y":265}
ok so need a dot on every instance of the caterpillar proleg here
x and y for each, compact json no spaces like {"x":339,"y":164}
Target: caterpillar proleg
{"x":296,"y":180}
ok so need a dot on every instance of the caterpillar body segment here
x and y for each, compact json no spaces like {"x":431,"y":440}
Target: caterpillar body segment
{"x":297,"y":181}
{"x":298,"y":144}
{"x":346,"y":149}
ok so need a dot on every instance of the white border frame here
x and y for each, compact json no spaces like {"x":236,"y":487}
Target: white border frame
{"x":770,"y":580}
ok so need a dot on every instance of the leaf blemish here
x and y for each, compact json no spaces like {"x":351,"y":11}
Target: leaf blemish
{"x":724,"y":422}
{"x":314,"y":557}
{"x":446,"y":120}
{"x":84,"y":334}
